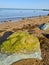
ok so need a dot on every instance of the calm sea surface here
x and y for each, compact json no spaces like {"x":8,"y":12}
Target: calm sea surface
{"x":14,"y":14}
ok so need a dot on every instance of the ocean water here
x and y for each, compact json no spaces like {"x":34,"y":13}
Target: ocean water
{"x":14,"y":14}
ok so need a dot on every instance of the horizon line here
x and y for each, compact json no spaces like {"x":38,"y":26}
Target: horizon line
{"x":25,"y":8}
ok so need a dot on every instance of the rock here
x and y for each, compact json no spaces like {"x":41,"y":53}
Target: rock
{"x":44,"y":26}
{"x":20,"y":45}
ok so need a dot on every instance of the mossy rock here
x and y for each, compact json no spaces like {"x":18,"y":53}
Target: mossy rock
{"x":20,"y":42}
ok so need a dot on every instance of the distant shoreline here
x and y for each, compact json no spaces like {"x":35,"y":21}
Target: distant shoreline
{"x":23,"y":9}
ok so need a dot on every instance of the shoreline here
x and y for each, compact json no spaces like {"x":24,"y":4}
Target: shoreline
{"x":20,"y":18}
{"x":18,"y":24}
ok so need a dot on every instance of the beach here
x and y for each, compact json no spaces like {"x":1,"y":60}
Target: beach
{"x":25,"y":24}
{"x":30,"y":25}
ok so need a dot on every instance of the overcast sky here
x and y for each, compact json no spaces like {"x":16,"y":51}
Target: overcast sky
{"x":30,"y":4}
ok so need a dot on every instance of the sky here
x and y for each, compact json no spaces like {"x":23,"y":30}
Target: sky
{"x":27,"y":4}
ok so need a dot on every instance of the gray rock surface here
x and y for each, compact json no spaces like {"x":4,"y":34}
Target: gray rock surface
{"x":44,"y":26}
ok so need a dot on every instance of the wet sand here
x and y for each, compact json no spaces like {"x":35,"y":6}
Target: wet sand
{"x":31,"y":25}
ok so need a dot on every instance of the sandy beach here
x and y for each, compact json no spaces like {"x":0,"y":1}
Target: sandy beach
{"x":30,"y":25}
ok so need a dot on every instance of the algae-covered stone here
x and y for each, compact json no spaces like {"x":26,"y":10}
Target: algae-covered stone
{"x":20,"y":42}
{"x":19,"y":45}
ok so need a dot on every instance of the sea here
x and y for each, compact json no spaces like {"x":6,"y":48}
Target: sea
{"x":16,"y":14}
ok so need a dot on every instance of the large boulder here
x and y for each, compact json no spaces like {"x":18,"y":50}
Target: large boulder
{"x":19,"y":45}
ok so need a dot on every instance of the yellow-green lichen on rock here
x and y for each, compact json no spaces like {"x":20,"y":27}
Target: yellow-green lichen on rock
{"x":20,"y":42}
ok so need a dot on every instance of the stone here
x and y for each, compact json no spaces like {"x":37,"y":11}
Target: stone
{"x":44,"y":26}
{"x":19,"y":45}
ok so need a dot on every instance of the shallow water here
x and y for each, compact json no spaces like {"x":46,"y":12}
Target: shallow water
{"x":14,"y":14}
